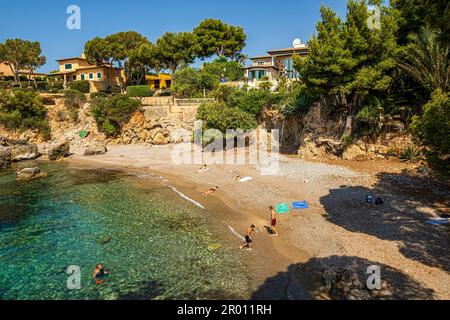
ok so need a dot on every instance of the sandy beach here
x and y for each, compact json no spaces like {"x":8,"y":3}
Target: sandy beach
{"x":337,"y":231}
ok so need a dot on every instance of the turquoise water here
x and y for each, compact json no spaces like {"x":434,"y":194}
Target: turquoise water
{"x":154,"y":243}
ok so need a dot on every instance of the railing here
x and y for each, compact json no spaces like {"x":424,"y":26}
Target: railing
{"x":192,"y":102}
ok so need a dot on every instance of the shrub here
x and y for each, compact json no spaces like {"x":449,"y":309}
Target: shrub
{"x":165,"y":94}
{"x":139,"y":91}
{"x":111,"y":113}
{"x":94,"y":95}
{"x":297,"y":103}
{"x":369,"y":118}
{"x":23,"y":110}
{"x":252,"y":101}
{"x":346,"y":139}
{"x":81,"y":86}
{"x":222,"y":68}
{"x":61,"y":116}
{"x":55,"y":86}
{"x":432,"y":129}
{"x":220,"y":117}
{"x":265,"y":85}
{"x":74,"y":100}
{"x":186,"y":83}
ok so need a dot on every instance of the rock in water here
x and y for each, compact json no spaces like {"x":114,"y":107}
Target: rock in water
{"x":59,"y":151}
{"x":95,"y":150}
{"x":5,"y":156}
{"x":24,"y":152}
{"x":28,"y":174}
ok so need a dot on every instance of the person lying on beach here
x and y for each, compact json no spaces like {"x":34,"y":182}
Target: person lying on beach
{"x":273,"y":221}
{"x":202,"y":169}
{"x":248,"y":238}
{"x":99,"y":274}
{"x":237,"y":178}
{"x":212,"y":190}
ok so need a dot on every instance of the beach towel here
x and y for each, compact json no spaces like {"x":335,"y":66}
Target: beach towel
{"x":438,"y":221}
{"x":202,"y":170}
{"x":245,"y":179}
{"x":300,"y":205}
{"x":282,"y":208}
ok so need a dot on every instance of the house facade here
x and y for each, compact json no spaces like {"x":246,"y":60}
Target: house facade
{"x":275,"y":65}
{"x":6,"y":72}
{"x":79,"y":68}
{"x":159,"y":81}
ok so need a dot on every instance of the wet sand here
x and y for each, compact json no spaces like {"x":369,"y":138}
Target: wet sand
{"x":337,"y":231}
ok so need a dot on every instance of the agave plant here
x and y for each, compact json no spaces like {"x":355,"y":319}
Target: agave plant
{"x":411,"y":155}
{"x":427,"y":60}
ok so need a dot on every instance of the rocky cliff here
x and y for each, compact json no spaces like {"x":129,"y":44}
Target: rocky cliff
{"x":321,"y":134}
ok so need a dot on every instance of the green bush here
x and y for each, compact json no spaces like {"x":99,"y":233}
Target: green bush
{"x":165,"y":94}
{"x":74,"y":100}
{"x":432,"y":129}
{"x":80,"y":85}
{"x":54,"y":86}
{"x":186,"y":83}
{"x":111,"y":113}
{"x":220,"y":117}
{"x":297,"y":103}
{"x":222,"y":68}
{"x":23,"y":110}
{"x":94,"y":95}
{"x":252,"y":101}
{"x":139,"y":91}
{"x":368,"y":118}
{"x":265,"y":85}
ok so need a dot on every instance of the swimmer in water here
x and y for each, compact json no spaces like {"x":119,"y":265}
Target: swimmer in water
{"x":99,"y":274}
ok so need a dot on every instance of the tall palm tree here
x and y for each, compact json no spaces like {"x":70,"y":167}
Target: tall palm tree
{"x":427,"y":60}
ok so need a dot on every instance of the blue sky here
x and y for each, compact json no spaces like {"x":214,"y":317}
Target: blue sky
{"x":269,"y":24}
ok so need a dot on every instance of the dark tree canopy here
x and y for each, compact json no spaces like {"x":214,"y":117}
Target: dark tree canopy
{"x":218,"y":38}
{"x":174,"y":50}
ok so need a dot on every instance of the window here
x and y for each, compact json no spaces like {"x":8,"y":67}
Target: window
{"x":99,"y":75}
{"x":288,"y":66}
{"x":260,"y":63}
{"x":83,"y":77}
{"x":91,"y":76}
{"x":68,"y":66}
{"x":74,"y":77}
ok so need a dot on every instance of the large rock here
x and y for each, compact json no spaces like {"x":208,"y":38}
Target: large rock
{"x":5,"y":156}
{"x":354,"y":152}
{"x":28,"y":174}
{"x":59,"y":151}
{"x":24,"y":152}
{"x":160,"y":139}
{"x":344,"y":284}
{"x":95,"y":150}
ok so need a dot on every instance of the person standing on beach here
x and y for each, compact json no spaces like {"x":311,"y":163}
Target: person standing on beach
{"x":273,"y":221}
{"x":248,"y":238}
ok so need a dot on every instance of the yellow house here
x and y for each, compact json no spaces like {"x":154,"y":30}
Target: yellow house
{"x":79,"y":68}
{"x":159,"y":81}
{"x":5,"y":71}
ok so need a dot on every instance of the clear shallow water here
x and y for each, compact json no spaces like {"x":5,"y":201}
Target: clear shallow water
{"x":157,"y":248}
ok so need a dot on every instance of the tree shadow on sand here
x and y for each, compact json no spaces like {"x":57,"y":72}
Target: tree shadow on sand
{"x":311,"y":277}
{"x":409,"y":203}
